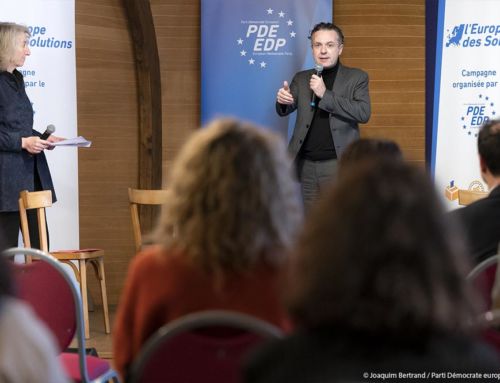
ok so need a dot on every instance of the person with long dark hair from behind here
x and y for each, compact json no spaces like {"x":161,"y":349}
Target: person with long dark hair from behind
{"x":377,"y":285}
{"x":368,"y":149}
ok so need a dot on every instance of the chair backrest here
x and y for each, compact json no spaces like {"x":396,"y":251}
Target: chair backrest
{"x":35,"y":200}
{"x":206,"y":347}
{"x":142,"y":197}
{"x":489,"y":323}
{"x":49,"y":289}
{"x":483,"y":277}
{"x":466,"y":197}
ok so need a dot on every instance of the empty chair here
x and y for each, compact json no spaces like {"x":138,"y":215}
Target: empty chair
{"x":40,"y":200}
{"x":142,"y":197}
{"x":46,"y":286}
{"x":206,"y":346}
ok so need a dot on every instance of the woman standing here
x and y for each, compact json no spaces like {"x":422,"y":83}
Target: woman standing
{"x":23,"y":165}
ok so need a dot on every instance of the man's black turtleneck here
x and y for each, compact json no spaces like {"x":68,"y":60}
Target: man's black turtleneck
{"x":319,"y":145}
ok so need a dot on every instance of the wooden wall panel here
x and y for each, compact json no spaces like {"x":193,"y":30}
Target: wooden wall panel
{"x":177,"y":25}
{"x":108,"y":116}
{"x":386,"y":38}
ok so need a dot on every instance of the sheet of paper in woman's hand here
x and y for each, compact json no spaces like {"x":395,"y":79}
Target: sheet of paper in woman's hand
{"x":79,"y":141}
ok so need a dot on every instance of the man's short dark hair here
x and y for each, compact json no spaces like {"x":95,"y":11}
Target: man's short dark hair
{"x":327,"y":27}
{"x":488,"y":145}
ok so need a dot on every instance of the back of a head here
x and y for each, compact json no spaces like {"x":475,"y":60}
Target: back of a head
{"x":233,"y":201}
{"x":488,"y":144}
{"x":377,"y":257}
{"x":369,"y":149}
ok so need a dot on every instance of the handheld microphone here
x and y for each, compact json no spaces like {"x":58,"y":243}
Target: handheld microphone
{"x":50,"y":129}
{"x":319,"y":69}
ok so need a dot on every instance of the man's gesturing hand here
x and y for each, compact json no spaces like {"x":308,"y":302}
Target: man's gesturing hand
{"x":284,"y":96}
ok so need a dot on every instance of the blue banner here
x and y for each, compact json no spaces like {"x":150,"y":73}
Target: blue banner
{"x":249,"y":49}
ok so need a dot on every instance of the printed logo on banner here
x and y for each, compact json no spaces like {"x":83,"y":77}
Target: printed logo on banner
{"x":456,"y":35}
{"x":473,"y":35}
{"x":264,"y":38}
{"x":476,"y":189}
{"x":477,"y":113}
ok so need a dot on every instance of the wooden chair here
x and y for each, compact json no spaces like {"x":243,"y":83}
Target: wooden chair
{"x":206,"y":346}
{"x":142,"y":197}
{"x":466,"y":197}
{"x":40,"y":200}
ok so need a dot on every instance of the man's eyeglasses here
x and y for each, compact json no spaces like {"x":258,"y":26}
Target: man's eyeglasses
{"x":329,"y":46}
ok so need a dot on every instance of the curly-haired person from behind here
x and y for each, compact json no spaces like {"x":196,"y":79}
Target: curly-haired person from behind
{"x":231,"y":217}
{"x":377,"y":285}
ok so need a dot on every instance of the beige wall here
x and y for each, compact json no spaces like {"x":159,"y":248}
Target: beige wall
{"x":384,"y":37}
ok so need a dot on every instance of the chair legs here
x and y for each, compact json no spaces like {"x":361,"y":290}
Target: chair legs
{"x":98,"y":265}
{"x":104,"y":296}
{"x":85,"y":300}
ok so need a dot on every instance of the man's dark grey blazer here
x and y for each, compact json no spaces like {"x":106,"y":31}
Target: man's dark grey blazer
{"x":348,"y":104}
{"x":481,"y":222}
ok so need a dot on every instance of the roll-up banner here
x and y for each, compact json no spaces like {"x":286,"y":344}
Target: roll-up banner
{"x":466,"y":90}
{"x":50,"y":79}
{"x":248,"y":49}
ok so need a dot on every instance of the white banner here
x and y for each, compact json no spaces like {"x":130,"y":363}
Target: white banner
{"x":50,"y":78}
{"x":467,"y":91}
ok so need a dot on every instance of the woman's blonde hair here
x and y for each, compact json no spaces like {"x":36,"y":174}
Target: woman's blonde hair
{"x":232,"y":198}
{"x":8,"y":35}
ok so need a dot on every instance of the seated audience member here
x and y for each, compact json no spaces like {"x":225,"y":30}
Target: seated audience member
{"x":368,"y":149}
{"x":232,"y":214}
{"x":481,"y":219}
{"x":28,"y":352}
{"x":377,"y":285}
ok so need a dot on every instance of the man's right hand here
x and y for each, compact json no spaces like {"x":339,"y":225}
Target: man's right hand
{"x":284,"y":96}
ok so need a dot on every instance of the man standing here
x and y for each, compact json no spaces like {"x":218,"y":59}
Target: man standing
{"x":481,"y":219}
{"x":330,"y":101}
